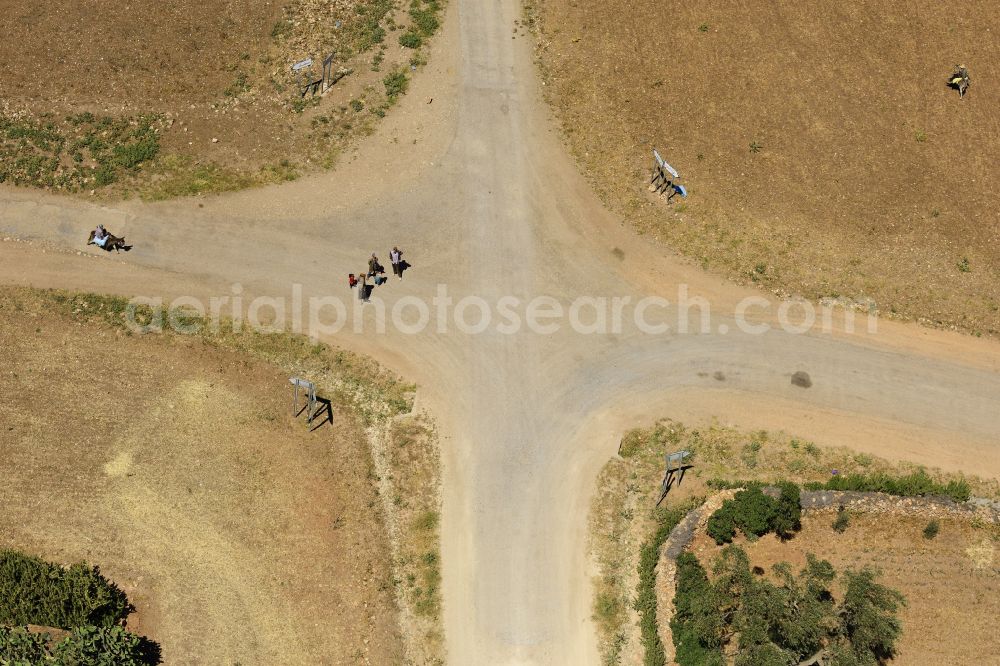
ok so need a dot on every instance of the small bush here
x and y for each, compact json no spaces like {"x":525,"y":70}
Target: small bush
{"x":425,"y":20}
{"x":396,"y":84}
{"x":130,"y":155}
{"x":411,"y":39}
{"x":842,"y":521}
{"x":281,"y":29}
{"x":750,"y":510}
{"x":932,"y":529}
{"x":103,"y":645}
{"x":105,"y":175}
{"x":721,"y":525}
{"x":788,"y":518}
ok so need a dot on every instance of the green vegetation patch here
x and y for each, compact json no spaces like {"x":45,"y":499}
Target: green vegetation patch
{"x":396,"y":84}
{"x":369,"y":30}
{"x":425,"y":16}
{"x":756,"y":514}
{"x":915,"y":484}
{"x":33,"y":591}
{"x":787,"y":620}
{"x":80,"y":152}
{"x":77,"y":599}
{"x":645,"y":598}
{"x":84,"y":646}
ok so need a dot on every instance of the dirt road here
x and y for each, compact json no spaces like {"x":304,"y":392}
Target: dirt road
{"x":477,"y":188}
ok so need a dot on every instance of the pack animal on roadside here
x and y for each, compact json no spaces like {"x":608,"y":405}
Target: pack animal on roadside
{"x":107,"y":241}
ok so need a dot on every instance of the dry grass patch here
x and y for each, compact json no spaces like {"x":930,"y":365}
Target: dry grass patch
{"x":216,"y":78}
{"x":173,"y":462}
{"x":239,"y":535}
{"x":824,"y":154}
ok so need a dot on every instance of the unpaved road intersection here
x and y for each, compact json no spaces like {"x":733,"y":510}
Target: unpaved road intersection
{"x":476,"y":186}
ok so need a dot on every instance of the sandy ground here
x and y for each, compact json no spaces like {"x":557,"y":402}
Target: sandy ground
{"x":239,"y":535}
{"x":476,"y":187}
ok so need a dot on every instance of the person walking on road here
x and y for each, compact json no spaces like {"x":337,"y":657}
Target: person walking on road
{"x":396,"y":257}
{"x":374,"y":267}
{"x":363,"y":288}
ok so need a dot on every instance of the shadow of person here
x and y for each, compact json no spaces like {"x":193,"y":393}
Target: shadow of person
{"x":404,"y":265}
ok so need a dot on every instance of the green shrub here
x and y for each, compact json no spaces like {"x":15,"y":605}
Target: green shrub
{"x":754,"y":512}
{"x":20,"y":646}
{"x":411,"y":39}
{"x":33,"y":591}
{"x":842,"y":521}
{"x":932,"y":529}
{"x":917,"y":484}
{"x":396,"y":84}
{"x":782,"y":620}
{"x":645,"y":599}
{"x":281,"y":29}
{"x":105,"y":175}
{"x":425,"y":20}
{"x":697,"y":625}
{"x":130,"y":155}
{"x":869,"y":617}
{"x":101,"y":646}
{"x":85,"y":646}
{"x":788,"y":518}
{"x":721,"y":525}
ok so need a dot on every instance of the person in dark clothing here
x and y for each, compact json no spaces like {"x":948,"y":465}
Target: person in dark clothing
{"x":396,"y":258}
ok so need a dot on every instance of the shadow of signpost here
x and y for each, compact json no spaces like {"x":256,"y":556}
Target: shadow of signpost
{"x":314,"y":406}
{"x":676,"y":467}
{"x":325,"y":410}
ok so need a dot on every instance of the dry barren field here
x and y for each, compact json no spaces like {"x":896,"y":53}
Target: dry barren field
{"x":823,"y":152}
{"x":239,"y":535}
{"x":209,"y":86}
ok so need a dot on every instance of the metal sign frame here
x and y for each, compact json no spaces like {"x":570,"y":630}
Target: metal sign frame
{"x":310,"y":395}
{"x":668,"y":477}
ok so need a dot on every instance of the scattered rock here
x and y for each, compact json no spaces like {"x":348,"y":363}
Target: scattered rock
{"x":801,"y":379}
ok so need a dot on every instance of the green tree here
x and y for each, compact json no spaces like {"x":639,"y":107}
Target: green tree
{"x":869,"y":616}
{"x":788,"y":517}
